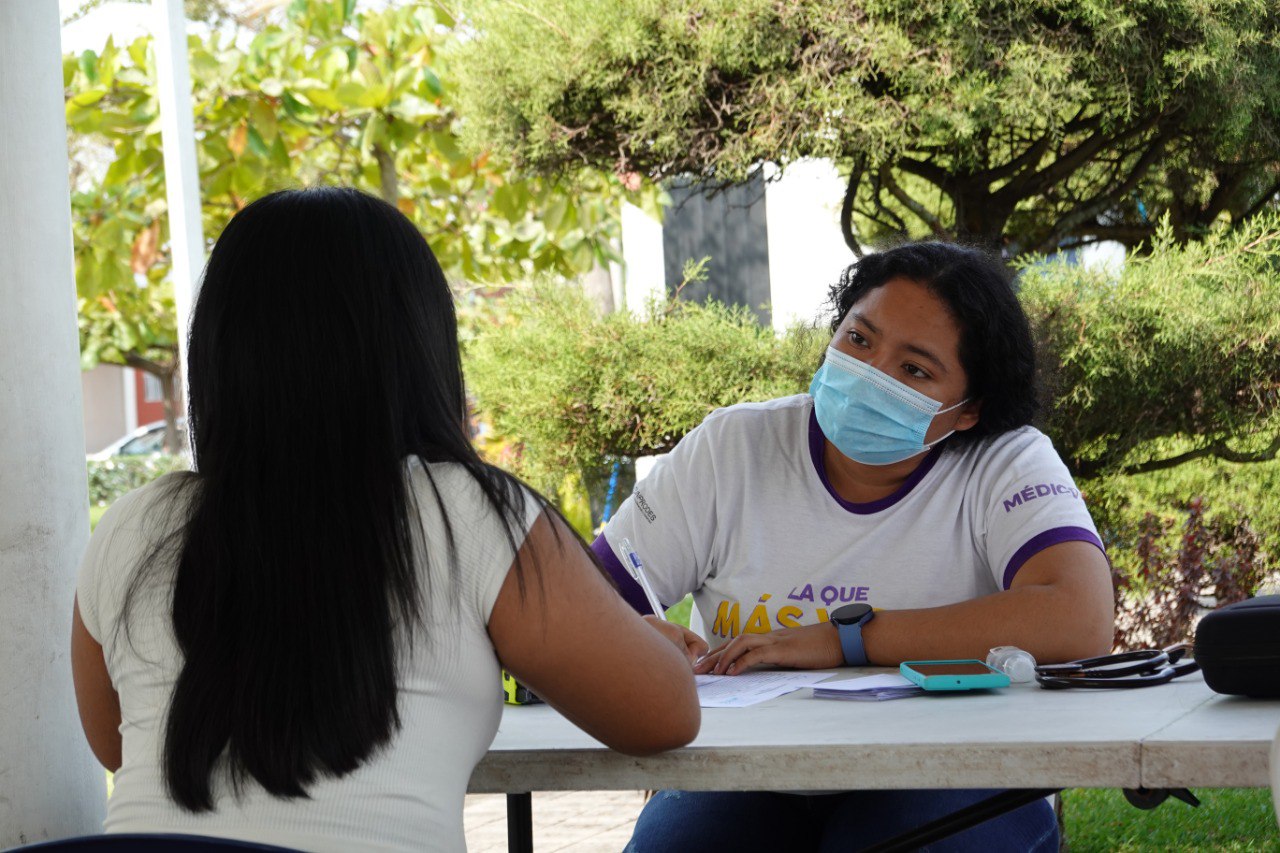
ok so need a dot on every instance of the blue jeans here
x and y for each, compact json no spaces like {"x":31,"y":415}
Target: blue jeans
{"x":742,"y":821}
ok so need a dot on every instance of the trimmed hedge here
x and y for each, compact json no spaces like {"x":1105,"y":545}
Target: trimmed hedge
{"x":111,"y":478}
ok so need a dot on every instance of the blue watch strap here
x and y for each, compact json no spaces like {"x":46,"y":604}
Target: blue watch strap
{"x":855,"y":654}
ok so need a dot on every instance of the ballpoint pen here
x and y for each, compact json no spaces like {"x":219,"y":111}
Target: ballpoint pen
{"x":638,"y":570}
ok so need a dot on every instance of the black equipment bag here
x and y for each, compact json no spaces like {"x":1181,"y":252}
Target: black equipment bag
{"x":1238,"y":648}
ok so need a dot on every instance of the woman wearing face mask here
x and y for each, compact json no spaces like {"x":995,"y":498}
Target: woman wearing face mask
{"x":909,"y":480}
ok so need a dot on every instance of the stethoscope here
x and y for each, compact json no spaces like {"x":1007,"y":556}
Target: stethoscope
{"x":1142,"y":668}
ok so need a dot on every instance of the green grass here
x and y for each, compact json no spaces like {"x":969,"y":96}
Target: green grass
{"x":95,"y":513}
{"x":1237,"y":819}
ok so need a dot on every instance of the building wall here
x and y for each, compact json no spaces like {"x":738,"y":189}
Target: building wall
{"x":105,"y":418}
{"x":807,"y":252}
{"x":150,"y":398}
{"x":793,"y":240}
{"x":643,"y":270}
{"x":729,"y":227}
{"x":117,"y":400}
{"x":775,"y":244}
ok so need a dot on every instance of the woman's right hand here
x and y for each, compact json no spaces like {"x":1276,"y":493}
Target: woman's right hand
{"x":689,"y":643}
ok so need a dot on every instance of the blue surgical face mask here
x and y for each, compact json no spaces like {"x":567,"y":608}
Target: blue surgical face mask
{"x":868,"y":415}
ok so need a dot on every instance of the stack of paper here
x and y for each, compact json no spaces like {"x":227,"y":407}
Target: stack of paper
{"x":751,"y":688}
{"x":869,"y":688}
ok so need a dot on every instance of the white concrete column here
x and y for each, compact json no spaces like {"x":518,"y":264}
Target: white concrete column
{"x":130,"y":400}
{"x":181,"y":175}
{"x":1275,"y":774}
{"x":50,"y":785}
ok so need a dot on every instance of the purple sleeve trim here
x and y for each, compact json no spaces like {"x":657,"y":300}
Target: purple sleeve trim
{"x":627,"y":586}
{"x":1040,"y":541}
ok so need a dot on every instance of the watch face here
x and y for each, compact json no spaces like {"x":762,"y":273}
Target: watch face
{"x":850,"y":613}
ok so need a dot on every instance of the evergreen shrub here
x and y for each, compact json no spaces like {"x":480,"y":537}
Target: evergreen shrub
{"x":1163,"y":398}
{"x":118,"y":475}
{"x":1164,"y":390}
{"x":574,"y":388}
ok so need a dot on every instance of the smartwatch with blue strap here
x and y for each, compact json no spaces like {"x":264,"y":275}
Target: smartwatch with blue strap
{"x":849,"y":620}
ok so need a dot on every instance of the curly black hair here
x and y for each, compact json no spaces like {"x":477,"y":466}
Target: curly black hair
{"x":997,"y":350}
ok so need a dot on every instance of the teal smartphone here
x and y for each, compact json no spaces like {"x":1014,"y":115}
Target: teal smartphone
{"x":953,"y":674}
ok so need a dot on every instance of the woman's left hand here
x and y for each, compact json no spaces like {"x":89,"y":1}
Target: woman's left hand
{"x":807,"y":647}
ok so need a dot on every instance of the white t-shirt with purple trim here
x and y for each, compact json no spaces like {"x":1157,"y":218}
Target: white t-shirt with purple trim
{"x":742,"y":515}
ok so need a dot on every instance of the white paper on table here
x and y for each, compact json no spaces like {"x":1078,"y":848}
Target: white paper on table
{"x":751,"y":688}
{"x":869,"y":687}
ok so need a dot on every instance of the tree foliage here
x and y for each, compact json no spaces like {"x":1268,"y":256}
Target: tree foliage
{"x":113,"y":478}
{"x":1174,"y":358}
{"x":574,"y":388}
{"x":1027,"y":123}
{"x":1178,"y":536}
{"x":1161,"y":597}
{"x":320,"y":95}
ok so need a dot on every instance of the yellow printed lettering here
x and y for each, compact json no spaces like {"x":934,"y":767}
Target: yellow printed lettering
{"x":726,"y":624}
{"x":822,"y":615}
{"x":758,"y":623}
{"x":789,"y":616}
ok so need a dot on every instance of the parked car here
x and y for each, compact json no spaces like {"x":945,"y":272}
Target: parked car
{"x":144,"y":440}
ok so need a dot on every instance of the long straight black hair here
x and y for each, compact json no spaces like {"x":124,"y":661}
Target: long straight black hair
{"x":323,"y":355}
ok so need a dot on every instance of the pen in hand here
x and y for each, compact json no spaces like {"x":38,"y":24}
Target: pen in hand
{"x":642,"y":578}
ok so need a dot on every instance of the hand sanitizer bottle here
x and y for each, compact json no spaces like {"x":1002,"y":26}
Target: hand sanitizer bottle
{"x":1020,"y":666}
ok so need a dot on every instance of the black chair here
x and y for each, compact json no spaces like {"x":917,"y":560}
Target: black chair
{"x":149,"y":843}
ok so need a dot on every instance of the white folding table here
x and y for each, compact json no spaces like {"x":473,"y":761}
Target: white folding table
{"x":1174,"y":735}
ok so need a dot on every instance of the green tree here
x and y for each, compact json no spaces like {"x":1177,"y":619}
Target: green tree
{"x":1023,"y":123}
{"x":213,"y":12}
{"x":320,"y":95}
{"x":1172,"y":359}
{"x":574,"y":388}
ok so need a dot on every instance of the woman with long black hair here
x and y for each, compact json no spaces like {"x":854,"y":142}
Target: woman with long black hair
{"x":298,"y":642}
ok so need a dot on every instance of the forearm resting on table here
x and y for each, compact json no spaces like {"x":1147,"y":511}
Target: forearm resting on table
{"x":1059,"y":608}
